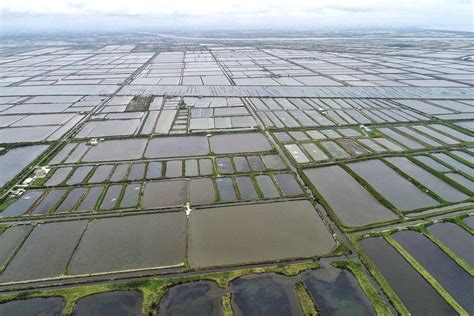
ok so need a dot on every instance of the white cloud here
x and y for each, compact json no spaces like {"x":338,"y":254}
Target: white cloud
{"x":317,"y":12}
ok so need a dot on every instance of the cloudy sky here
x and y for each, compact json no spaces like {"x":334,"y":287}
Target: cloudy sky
{"x":78,"y":14}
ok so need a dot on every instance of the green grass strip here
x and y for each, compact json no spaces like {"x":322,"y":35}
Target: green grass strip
{"x":306,"y":302}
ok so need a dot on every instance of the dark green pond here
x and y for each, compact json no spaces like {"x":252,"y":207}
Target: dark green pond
{"x":116,"y":303}
{"x":197,"y":298}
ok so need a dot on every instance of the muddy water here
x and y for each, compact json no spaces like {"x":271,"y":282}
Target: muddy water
{"x":336,"y":292}
{"x":164,"y":193}
{"x":239,"y":143}
{"x":166,"y":147}
{"x":398,"y":191}
{"x":148,"y":241}
{"x":197,"y":298}
{"x":123,"y":149}
{"x":353,"y":204}
{"x":46,"y":252}
{"x":413,"y":290}
{"x":455,"y":238}
{"x":450,"y":275}
{"x":201,"y":191}
{"x":252,"y":233}
{"x":265,"y":294}
{"x":117,"y":303}
{"x":51,"y":306}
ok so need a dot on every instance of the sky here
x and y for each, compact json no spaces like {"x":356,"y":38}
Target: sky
{"x":238,"y":14}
